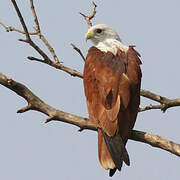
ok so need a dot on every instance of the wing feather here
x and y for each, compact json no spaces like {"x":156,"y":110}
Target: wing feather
{"x":102,"y":76}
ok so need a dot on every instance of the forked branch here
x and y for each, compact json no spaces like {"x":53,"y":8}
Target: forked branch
{"x":165,"y":103}
{"x":90,"y":17}
{"x":45,"y":58}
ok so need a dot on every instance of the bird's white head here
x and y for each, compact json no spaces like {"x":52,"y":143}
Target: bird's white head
{"x":100,"y":33}
{"x":105,"y":38}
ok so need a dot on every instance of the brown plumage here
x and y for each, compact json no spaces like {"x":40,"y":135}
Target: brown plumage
{"x":112,"y":90}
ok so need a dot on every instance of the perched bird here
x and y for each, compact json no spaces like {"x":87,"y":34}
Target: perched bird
{"x":112,"y":80}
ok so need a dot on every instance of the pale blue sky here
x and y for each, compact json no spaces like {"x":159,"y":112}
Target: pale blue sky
{"x":30,"y":149}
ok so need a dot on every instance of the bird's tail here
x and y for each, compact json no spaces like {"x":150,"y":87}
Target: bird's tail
{"x":112,"y":152}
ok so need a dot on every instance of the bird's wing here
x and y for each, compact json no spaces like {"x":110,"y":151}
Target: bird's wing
{"x":131,"y":99}
{"x":103,"y":74}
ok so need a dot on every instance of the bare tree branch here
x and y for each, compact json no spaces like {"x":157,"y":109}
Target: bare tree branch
{"x":21,"y":19}
{"x":88,"y":18}
{"x":50,"y":63}
{"x":28,"y":40}
{"x":59,"y":66}
{"x":153,"y":96}
{"x":156,"y":141}
{"x":37,"y":32}
{"x":150,"y":107}
{"x":37,"y":28}
{"x":165,"y":103}
{"x":79,"y":51}
{"x":35,"y":103}
{"x":10,"y":28}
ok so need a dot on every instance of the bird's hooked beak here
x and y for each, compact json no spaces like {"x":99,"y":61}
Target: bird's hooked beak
{"x":89,"y":35}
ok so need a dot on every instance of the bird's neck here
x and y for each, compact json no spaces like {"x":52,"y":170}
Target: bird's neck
{"x":111,"y":45}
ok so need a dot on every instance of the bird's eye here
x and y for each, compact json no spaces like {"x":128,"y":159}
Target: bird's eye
{"x":99,"y":31}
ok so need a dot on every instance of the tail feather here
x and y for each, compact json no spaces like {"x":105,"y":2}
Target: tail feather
{"x":112,"y":152}
{"x":117,"y":150}
{"x":112,"y":171}
{"x":104,"y":154}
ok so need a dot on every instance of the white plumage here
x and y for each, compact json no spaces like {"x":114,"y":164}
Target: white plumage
{"x":105,"y":39}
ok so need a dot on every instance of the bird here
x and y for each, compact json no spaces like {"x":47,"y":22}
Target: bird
{"x":112,"y":81}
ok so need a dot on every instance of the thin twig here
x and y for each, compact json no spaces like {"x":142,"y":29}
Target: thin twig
{"x":59,"y":66}
{"x":88,"y":18}
{"x":4,"y":26}
{"x":10,"y":28}
{"x":35,"y":59}
{"x":78,"y":50}
{"x":28,"y":38}
{"x":21,"y":19}
{"x":161,"y":106}
{"x":51,"y":50}
{"x":37,"y":28}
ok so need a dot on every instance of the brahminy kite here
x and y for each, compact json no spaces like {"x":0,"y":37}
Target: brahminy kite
{"x":112,"y":80}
